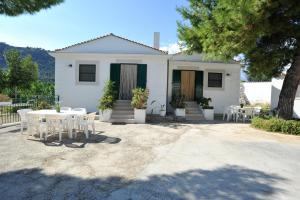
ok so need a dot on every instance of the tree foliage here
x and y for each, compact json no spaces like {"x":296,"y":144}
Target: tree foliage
{"x":18,"y":7}
{"x":21,"y":71}
{"x":267,"y":32}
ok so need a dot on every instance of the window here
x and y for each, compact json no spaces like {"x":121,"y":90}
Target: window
{"x":87,"y":73}
{"x":214,"y":80}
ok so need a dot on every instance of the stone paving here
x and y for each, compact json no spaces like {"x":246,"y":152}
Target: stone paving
{"x":152,"y":161}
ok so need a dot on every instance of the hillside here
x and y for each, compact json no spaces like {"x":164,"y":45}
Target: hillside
{"x":44,"y":60}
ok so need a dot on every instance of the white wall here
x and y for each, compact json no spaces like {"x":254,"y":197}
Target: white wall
{"x":87,"y":95}
{"x":276,"y":88}
{"x":221,"y":98}
{"x":258,"y":92}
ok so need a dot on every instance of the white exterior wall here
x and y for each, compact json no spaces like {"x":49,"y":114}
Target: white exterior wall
{"x":258,"y":92}
{"x":221,"y":97}
{"x":276,"y":88}
{"x":87,"y":95}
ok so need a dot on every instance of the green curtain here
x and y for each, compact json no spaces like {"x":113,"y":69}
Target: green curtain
{"x":141,"y":76}
{"x":176,"y":82}
{"x":199,"y":85}
{"x":115,"y":76}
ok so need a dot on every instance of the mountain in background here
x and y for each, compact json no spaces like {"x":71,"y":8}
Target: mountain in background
{"x":41,"y":56}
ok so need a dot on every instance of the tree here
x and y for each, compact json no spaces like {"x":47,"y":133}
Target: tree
{"x":30,"y":70}
{"x":3,"y":79}
{"x":18,"y":7}
{"x":266,"y":32}
{"x":21,"y":72}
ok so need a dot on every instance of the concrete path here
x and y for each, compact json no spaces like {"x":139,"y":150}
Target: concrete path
{"x":159,"y":161}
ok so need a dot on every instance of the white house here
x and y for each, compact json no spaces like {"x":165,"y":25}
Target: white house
{"x":82,"y":69}
{"x":197,"y":77}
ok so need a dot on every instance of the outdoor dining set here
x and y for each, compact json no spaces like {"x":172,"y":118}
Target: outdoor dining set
{"x":51,"y":122}
{"x":238,"y":113}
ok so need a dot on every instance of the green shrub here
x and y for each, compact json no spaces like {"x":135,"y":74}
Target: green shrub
{"x":109,"y":96}
{"x":43,"y":105}
{"x":204,"y":103}
{"x":274,"y":124}
{"x":140,"y":98}
{"x":178,"y":101}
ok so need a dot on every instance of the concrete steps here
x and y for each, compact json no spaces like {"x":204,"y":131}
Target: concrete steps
{"x":122,"y":112}
{"x":192,"y":111}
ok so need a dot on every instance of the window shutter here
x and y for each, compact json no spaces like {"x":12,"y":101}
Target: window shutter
{"x":141,"y":76}
{"x":199,"y":85}
{"x":176,"y":82}
{"x":115,"y":76}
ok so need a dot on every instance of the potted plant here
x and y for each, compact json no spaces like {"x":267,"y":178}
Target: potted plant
{"x":4,"y":100}
{"x":208,"y":111}
{"x":162,"y":111}
{"x":139,"y":103}
{"x":178,"y":104}
{"x":106,"y":103}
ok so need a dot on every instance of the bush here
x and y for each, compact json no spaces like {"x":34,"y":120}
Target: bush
{"x":109,"y":96}
{"x":4,"y":98}
{"x":178,"y":101}
{"x":140,"y":98}
{"x":204,"y":103}
{"x":274,"y":124}
{"x":265,"y":109}
{"x":43,"y":105}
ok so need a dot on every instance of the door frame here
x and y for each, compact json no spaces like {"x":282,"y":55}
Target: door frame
{"x":139,"y":65}
{"x":195,"y":89}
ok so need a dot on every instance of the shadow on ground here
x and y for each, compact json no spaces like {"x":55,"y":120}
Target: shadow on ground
{"x":79,"y":142}
{"x":228,"y":182}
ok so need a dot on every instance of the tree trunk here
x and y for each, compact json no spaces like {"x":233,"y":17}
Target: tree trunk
{"x":289,"y":89}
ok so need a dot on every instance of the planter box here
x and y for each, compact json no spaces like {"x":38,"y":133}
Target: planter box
{"x":208,"y":114}
{"x":180,"y":112}
{"x":140,"y":116}
{"x":105,"y":115}
{"x":162,"y":113}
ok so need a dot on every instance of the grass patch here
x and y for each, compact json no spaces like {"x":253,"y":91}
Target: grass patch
{"x":274,"y":124}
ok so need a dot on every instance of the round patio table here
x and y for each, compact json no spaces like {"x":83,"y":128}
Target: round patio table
{"x":64,"y":114}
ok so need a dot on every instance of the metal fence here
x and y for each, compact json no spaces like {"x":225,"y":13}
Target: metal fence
{"x":8,"y":111}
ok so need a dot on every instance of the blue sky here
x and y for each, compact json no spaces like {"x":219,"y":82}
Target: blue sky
{"x":78,"y":20}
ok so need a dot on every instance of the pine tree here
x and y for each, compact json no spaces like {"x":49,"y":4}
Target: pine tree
{"x":18,"y":7}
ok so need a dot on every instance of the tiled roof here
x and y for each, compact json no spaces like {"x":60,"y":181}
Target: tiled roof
{"x":111,"y":34}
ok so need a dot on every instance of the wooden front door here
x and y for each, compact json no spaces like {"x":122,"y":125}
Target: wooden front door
{"x":188,"y":85}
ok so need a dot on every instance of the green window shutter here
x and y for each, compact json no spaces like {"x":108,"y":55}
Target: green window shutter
{"x":141,"y":76}
{"x":176,"y":81}
{"x":115,"y":76}
{"x":199,"y":85}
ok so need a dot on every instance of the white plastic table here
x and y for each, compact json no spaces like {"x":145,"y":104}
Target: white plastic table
{"x":62,"y":115}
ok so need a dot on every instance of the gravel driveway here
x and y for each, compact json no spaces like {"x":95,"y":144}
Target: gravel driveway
{"x":152,"y":161}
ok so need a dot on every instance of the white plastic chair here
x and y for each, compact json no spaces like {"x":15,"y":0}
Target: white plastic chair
{"x":22,"y":113}
{"x":86,"y":121}
{"x":230,"y":112}
{"x":247,"y":113}
{"x":256,"y":110}
{"x":83,"y":110}
{"x":54,"y":125}
{"x":35,"y":125}
{"x":65,"y":108}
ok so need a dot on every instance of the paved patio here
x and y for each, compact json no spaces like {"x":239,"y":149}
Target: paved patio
{"x":158,"y":161}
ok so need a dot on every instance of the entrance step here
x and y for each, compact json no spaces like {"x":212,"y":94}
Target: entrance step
{"x":122,"y":112}
{"x":193,"y":112}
